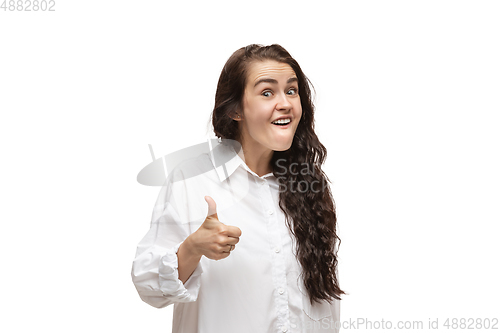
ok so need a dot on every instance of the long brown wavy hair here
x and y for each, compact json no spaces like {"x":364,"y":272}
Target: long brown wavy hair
{"x":310,"y":215}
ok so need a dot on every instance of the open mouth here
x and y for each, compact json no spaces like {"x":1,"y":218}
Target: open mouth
{"x":282,"y":122}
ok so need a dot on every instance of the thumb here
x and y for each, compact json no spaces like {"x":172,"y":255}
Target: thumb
{"x":212,"y":207}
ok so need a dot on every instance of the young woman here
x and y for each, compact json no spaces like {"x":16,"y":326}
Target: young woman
{"x":263,"y":259}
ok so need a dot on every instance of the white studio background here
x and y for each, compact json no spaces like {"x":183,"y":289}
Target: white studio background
{"x":407,"y":106}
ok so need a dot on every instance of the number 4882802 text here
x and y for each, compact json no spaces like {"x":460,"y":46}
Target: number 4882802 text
{"x":28,"y":5}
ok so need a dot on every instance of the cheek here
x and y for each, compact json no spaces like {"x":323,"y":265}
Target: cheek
{"x":259,"y":112}
{"x":255,"y":120}
{"x":299,"y":110}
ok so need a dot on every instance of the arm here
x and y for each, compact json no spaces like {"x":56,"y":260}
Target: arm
{"x":155,"y":267}
{"x":187,"y":260}
{"x":163,"y":273}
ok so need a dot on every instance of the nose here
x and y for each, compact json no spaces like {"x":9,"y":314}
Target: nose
{"x":283,"y":103}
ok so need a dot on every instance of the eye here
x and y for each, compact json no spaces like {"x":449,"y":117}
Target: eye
{"x":292,"y":91}
{"x":267,"y":93}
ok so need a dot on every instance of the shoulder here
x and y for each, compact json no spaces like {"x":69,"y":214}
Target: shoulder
{"x":191,"y":168}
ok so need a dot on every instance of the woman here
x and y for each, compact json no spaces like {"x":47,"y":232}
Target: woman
{"x":264,"y":257}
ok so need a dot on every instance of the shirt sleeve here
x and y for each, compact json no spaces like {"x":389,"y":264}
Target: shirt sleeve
{"x":154,"y":269}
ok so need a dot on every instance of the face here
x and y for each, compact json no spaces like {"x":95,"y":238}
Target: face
{"x":271,"y":93}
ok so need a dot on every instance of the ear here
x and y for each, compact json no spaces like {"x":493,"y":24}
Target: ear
{"x":237,"y":116}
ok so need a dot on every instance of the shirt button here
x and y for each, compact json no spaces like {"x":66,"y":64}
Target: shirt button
{"x":277,"y":249}
{"x":281,"y":291}
{"x":284,"y":329}
{"x":270,"y":212}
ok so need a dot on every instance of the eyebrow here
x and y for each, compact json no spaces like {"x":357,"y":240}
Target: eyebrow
{"x":268,"y":80}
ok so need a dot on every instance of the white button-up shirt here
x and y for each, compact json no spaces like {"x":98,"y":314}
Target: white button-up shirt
{"x":257,"y":288}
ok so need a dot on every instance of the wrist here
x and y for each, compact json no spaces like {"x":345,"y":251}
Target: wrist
{"x":189,"y":247}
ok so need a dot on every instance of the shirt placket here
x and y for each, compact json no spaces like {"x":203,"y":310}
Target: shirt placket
{"x":277,"y":257}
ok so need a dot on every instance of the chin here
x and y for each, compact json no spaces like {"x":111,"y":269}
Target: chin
{"x":283,"y":147}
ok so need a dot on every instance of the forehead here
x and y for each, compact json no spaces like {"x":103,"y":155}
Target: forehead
{"x":268,"y":69}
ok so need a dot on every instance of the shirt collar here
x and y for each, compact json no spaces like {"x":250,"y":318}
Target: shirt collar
{"x":226,"y":160}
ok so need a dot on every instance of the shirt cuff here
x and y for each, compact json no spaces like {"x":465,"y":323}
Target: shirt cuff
{"x":170,"y":285}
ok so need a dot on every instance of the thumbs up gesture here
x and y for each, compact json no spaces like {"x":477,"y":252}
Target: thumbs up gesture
{"x":214,"y":239}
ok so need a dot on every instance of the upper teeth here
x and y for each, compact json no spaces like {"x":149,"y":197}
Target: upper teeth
{"x":282,"y":121}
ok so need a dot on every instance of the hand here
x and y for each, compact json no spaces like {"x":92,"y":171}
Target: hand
{"x":213,"y":239}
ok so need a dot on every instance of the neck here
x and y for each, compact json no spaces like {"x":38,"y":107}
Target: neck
{"x":257,"y":158}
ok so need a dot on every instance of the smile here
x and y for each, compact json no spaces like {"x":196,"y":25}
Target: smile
{"x":283,"y":123}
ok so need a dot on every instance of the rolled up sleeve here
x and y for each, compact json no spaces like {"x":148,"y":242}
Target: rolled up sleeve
{"x":171,"y":286}
{"x":155,"y":267}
